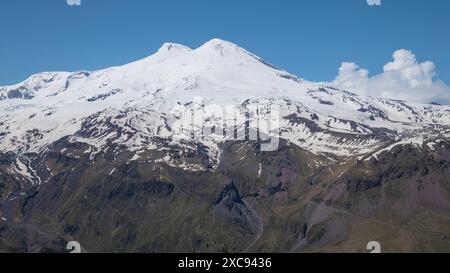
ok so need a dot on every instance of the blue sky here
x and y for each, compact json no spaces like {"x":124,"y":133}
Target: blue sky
{"x":310,"y":38}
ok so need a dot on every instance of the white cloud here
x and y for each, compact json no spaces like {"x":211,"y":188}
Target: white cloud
{"x":73,"y":2}
{"x":404,"y":78}
{"x":374,"y":2}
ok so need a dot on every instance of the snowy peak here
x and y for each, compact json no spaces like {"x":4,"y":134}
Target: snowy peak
{"x":224,"y":48}
{"x":228,"y":50}
{"x":216,"y":60}
{"x":208,"y":51}
{"x":173,"y":48}
{"x":216,"y":42}
{"x":34,"y":84}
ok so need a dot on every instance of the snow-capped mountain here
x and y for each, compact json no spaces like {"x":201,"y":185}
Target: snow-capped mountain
{"x":133,"y":159}
{"x":136,"y":105}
